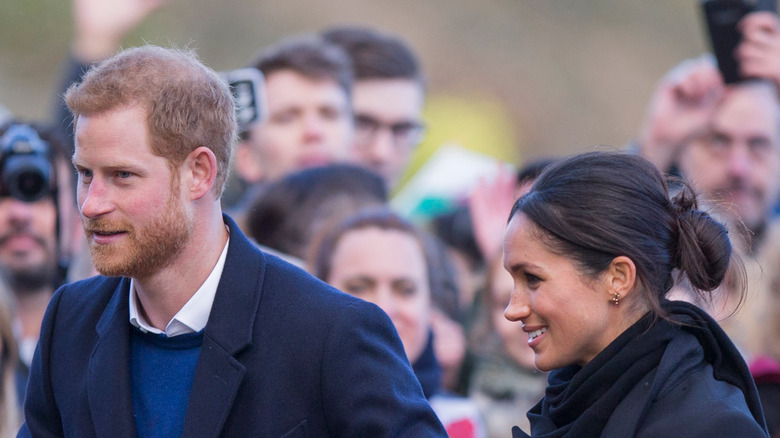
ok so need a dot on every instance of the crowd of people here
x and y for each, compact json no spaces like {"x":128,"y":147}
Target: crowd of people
{"x":205,"y":277}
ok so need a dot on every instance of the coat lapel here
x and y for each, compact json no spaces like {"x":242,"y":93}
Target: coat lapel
{"x":218,"y":375}
{"x":108,"y":382}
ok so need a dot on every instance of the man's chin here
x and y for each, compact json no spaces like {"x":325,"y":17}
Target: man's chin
{"x":746,"y":222}
{"x":31,"y":277}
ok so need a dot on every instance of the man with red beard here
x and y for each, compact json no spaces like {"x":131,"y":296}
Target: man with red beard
{"x":190,"y":330}
{"x":30,"y":250}
{"x":724,"y":139}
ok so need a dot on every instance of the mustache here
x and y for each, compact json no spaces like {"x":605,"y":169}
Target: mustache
{"x":17,"y":231}
{"x":103,"y":226}
{"x":736,"y":185}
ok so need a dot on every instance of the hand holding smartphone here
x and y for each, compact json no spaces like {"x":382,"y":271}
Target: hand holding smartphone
{"x":722,"y":17}
{"x":248,"y":88}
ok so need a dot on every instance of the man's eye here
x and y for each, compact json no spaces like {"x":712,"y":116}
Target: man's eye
{"x":760,"y":147}
{"x":330,"y":113}
{"x":719,"y":142}
{"x":366,"y":123}
{"x":284,"y":117}
{"x":123,"y":174}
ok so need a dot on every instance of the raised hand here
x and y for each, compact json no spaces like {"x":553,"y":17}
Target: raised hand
{"x":680,"y":109}
{"x":758,"y":55}
{"x":101,"y":25}
{"x":489,"y":205}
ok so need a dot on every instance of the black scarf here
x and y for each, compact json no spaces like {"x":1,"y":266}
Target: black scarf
{"x":578,"y":401}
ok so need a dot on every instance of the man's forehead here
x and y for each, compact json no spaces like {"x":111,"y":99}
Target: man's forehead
{"x":756,"y":93}
{"x":748,"y":107}
{"x":390,"y":100}
{"x":288,"y":76}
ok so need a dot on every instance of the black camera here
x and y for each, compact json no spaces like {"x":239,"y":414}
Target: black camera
{"x":25,"y":169}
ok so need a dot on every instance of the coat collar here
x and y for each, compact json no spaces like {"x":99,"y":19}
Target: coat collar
{"x":108,"y":377}
{"x":232,"y":317}
{"x":218,"y":375}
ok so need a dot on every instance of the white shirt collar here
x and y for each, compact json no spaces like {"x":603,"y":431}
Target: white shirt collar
{"x":194,"y":315}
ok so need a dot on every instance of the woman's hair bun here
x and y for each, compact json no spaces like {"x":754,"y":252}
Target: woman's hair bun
{"x":703,"y":247}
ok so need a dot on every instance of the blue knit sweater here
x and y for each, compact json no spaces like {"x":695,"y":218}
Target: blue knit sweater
{"x":161,"y":370}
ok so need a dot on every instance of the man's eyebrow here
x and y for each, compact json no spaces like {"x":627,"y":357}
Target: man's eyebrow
{"x":119,"y":164}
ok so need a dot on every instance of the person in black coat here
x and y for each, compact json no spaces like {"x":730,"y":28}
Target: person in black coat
{"x":593,"y":249}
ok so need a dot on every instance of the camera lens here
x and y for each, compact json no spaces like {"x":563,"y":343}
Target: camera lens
{"x":26,"y":177}
{"x":25,"y":170}
{"x":30,"y":185}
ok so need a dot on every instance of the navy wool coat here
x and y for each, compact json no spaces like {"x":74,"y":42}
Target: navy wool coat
{"x":283,"y":354}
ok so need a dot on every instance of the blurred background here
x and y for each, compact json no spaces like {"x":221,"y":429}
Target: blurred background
{"x":516,"y":79}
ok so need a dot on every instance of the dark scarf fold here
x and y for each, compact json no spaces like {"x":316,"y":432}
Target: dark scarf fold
{"x":579,"y":401}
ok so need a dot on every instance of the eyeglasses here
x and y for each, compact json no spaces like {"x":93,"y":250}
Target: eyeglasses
{"x":403,"y":133}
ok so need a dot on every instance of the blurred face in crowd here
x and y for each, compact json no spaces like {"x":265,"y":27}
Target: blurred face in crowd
{"x":566,"y":315}
{"x":131,"y":205}
{"x":387,"y":268}
{"x":28,"y":241}
{"x":388,"y":124}
{"x":309,"y":124}
{"x":737,"y":163}
{"x":513,"y":339}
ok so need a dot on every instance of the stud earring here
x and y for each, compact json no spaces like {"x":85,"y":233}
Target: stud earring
{"x":616,"y":299}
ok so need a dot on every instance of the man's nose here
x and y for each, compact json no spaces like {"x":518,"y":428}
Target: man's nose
{"x":94,"y":199}
{"x":382,"y":147}
{"x":313,"y":128}
{"x":740,"y":161}
{"x":20,"y":211}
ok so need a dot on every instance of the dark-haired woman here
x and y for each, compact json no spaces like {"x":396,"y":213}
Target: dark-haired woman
{"x":593,"y":248}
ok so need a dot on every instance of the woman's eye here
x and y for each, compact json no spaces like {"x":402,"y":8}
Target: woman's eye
{"x":407,"y":291}
{"x":532,"y":280}
{"x":355,"y":289}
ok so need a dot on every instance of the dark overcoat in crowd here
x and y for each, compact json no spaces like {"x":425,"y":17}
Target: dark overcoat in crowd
{"x":283,"y":354}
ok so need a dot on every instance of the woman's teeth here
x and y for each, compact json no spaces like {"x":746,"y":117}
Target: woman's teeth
{"x":535,"y":333}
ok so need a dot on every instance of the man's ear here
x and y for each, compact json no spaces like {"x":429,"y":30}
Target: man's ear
{"x":621,"y":277}
{"x":201,"y":170}
{"x":246,"y":163}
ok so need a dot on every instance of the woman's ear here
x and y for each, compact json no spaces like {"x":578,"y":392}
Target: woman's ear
{"x":201,"y":168}
{"x":621,"y":277}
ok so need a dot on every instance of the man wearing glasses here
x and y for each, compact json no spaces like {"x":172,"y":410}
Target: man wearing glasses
{"x":387,"y":99}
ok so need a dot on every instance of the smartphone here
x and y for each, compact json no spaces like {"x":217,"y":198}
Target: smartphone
{"x":248,"y":88}
{"x":721,"y":17}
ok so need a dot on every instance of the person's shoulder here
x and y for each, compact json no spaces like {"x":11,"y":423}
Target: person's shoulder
{"x":701,"y":405}
{"x":83,"y":295}
{"x":281,"y":274}
{"x":78,"y":306}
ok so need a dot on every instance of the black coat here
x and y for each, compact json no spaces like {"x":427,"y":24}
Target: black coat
{"x":657,"y":379}
{"x":691,"y":402}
